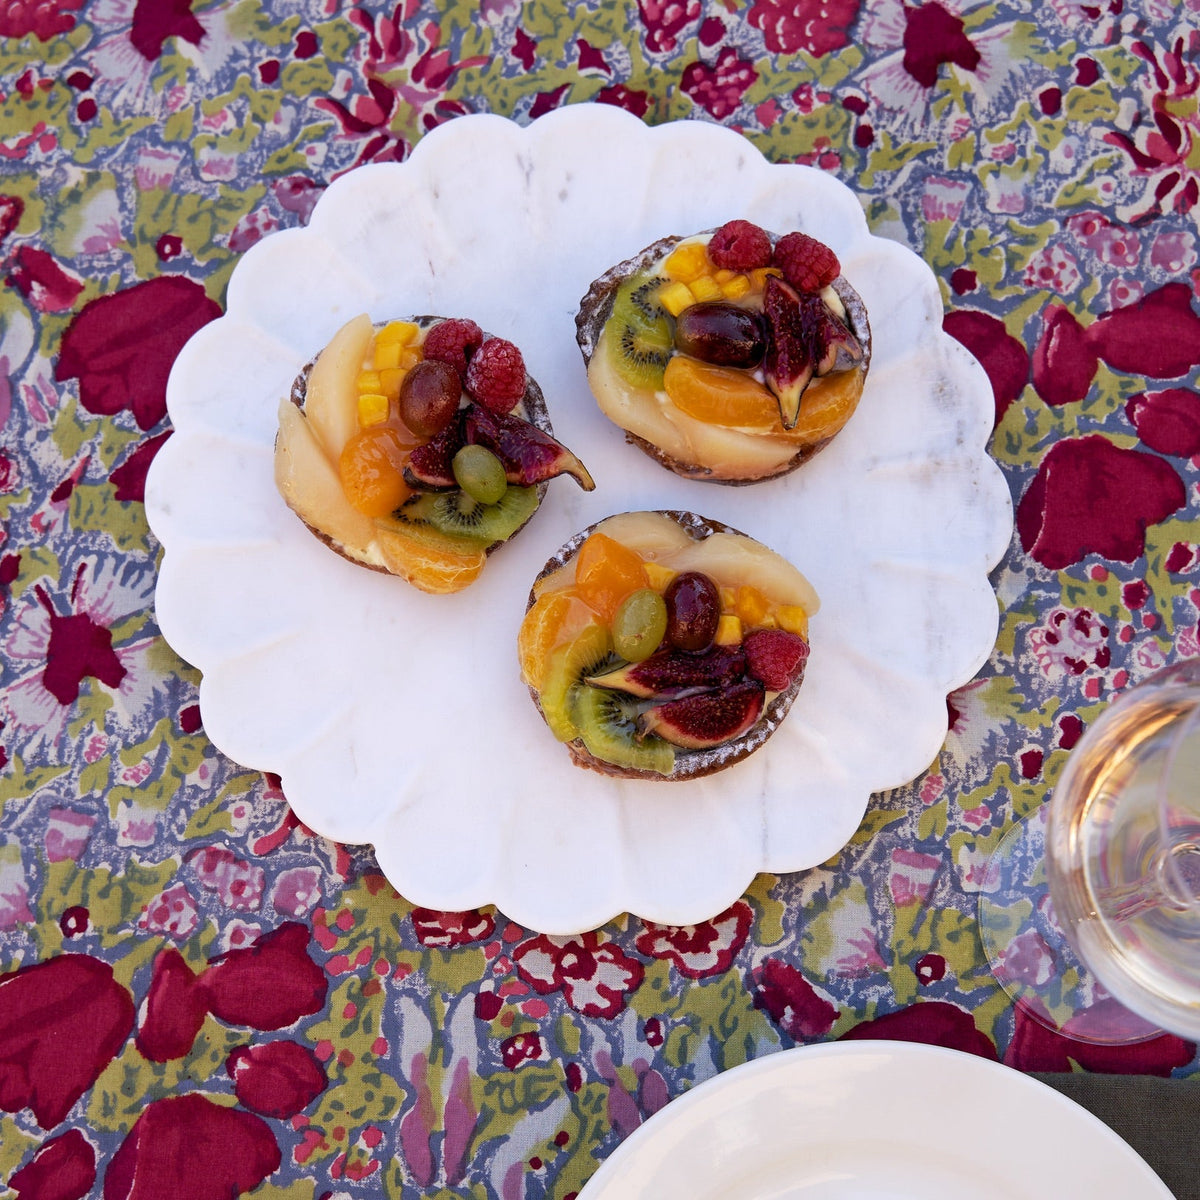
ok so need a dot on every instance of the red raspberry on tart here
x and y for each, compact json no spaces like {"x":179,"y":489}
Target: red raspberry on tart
{"x":723,"y":370}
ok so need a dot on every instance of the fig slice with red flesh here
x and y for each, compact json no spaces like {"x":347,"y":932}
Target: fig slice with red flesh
{"x":833,"y":346}
{"x":430,"y":465}
{"x":675,"y":673}
{"x":529,"y":455}
{"x":707,"y":720}
{"x":788,"y":364}
{"x":775,"y":657}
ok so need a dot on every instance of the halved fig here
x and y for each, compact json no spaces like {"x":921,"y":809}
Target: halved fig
{"x":529,"y":455}
{"x":429,"y":467}
{"x":833,"y":346}
{"x":788,"y":366}
{"x":675,"y":673}
{"x":710,"y":719}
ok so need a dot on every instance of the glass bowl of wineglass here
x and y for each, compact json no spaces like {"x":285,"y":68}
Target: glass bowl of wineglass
{"x":1090,"y":908}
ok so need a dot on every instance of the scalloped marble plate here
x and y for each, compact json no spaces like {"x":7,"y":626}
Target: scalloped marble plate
{"x":398,"y":718}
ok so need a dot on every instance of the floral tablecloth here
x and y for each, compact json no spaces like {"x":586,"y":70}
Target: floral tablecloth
{"x":187,"y":966}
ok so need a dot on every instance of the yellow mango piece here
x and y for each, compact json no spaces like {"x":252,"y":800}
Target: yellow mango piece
{"x":367,"y":381}
{"x":659,"y":576}
{"x":687,"y":262}
{"x":758,"y":277}
{"x":705,"y":288}
{"x":675,"y":297}
{"x":793,"y":618}
{"x":751,"y":605}
{"x":390,"y":381}
{"x":400,"y":333}
{"x":728,"y":598}
{"x":409,"y":357}
{"x":736,"y":288}
{"x":387,"y":355}
{"x":724,"y":275}
{"x":372,"y":409}
{"x":729,"y":630}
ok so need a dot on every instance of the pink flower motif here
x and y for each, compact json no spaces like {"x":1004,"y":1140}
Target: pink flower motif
{"x":1027,"y":959}
{"x":172,"y":912}
{"x":452,"y":928}
{"x":1053,"y":269}
{"x":296,"y":890}
{"x":912,"y":876}
{"x":239,"y":884}
{"x":14,"y":889}
{"x":593,"y":975}
{"x":816,"y":26}
{"x":250,"y":229}
{"x":1069,"y":642}
{"x":522,"y":1048}
{"x":1125,"y":291}
{"x":48,"y":286}
{"x":792,"y":1002}
{"x":1173,"y":251}
{"x":67,"y":834}
{"x":10,"y":474}
{"x":942,"y":199}
{"x":719,"y":88}
{"x":933,"y":787}
{"x":864,"y":958}
{"x":156,"y":167}
{"x":699,"y":950}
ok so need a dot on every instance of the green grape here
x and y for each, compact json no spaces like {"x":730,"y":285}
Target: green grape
{"x":639,"y":625}
{"x":480,"y":474}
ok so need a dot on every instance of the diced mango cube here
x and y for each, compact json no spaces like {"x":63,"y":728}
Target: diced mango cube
{"x":705,"y":288}
{"x":758,"y":277}
{"x":387,"y":355}
{"x":675,"y":297}
{"x":367,"y":381}
{"x":729,"y":630}
{"x":409,"y":357}
{"x":687,"y":262}
{"x":658,"y":575}
{"x":400,"y":333}
{"x":390,"y":381}
{"x":372,"y":409}
{"x":728,"y":597}
{"x":793,"y":618}
{"x":724,"y":275}
{"x":751,"y":605}
{"x":735,"y":288}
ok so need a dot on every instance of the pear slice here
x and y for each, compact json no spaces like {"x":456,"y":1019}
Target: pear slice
{"x":308,"y":481}
{"x":331,"y":397}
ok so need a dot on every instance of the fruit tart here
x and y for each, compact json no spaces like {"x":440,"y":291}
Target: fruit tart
{"x":663,"y":645}
{"x":417,"y":447}
{"x":733,"y":355}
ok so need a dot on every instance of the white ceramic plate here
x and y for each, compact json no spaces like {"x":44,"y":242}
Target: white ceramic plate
{"x":873,"y":1121}
{"x":399,"y":718}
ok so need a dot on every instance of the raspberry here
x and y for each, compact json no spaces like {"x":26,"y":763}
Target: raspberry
{"x":496,"y":375}
{"x":453,"y":342}
{"x":808,"y":265}
{"x":774,"y":657}
{"x":739,"y":246}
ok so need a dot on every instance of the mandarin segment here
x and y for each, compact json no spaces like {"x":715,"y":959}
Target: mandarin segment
{"x":554,"y":619}
{"x":605,"y":573}
{"x":719,"y":395}
{"x":430,"y":563}
{"x":371,"y":467}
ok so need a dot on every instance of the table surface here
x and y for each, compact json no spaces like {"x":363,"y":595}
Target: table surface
{"x":186,"y":963}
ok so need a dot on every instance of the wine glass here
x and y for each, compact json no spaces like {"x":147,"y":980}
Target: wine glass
{"x":1090,"y":911}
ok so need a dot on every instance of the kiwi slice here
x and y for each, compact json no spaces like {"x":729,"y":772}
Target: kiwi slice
{"x":458,"y":515}
{"x":639,"y":336}
{"x":606,"y":724}
{"x":565,"y":671}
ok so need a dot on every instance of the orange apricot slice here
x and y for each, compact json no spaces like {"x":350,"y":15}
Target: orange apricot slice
{"x":605,"y":573}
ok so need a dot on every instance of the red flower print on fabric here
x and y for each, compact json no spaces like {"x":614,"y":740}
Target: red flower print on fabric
{"x":78,"y":647}
{"x":1158,"y":335}
{"x":1064,"y":362}
{"x":719,"y":88}
{"x":39,"y":278}
{"x":594,"y":976}
{"x":451,"y":928}
{"x":707,"y":948}
{"x":629,"y":99}
{"x":522,"y":1048}
{"x":792,"y":1002}
{"x":169,"y":1153}
{"x":933,"y":36}
{"x":43,"y":18}
{"x":1167,"y":421}
{"x":64,"y":1168}
{"x":129,"y":478}
{"x":156,"y":20}
{"x":665,"y":20}
{"x":121,"y":347}
{"x":1091,"y":497}
{"x":62,"y":1022}
{"x":933,"y":1022}
{"x":278,"y":1079}
{"x":1034,"y":1047}
{"x":817,"y":26}
{"x":175,"y":1008}
{"x":1001,"y":355}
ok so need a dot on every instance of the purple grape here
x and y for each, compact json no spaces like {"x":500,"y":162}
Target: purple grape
{"x":693,"y":611}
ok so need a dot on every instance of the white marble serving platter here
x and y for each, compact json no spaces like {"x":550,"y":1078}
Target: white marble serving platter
{"x":398,"y":718}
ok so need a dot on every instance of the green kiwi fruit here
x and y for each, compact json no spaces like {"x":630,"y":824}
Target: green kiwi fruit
{"x":606,"y":724}
{"x":638,"y":334}
{"x":565,"y":671}
{"x":455,"y":513}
